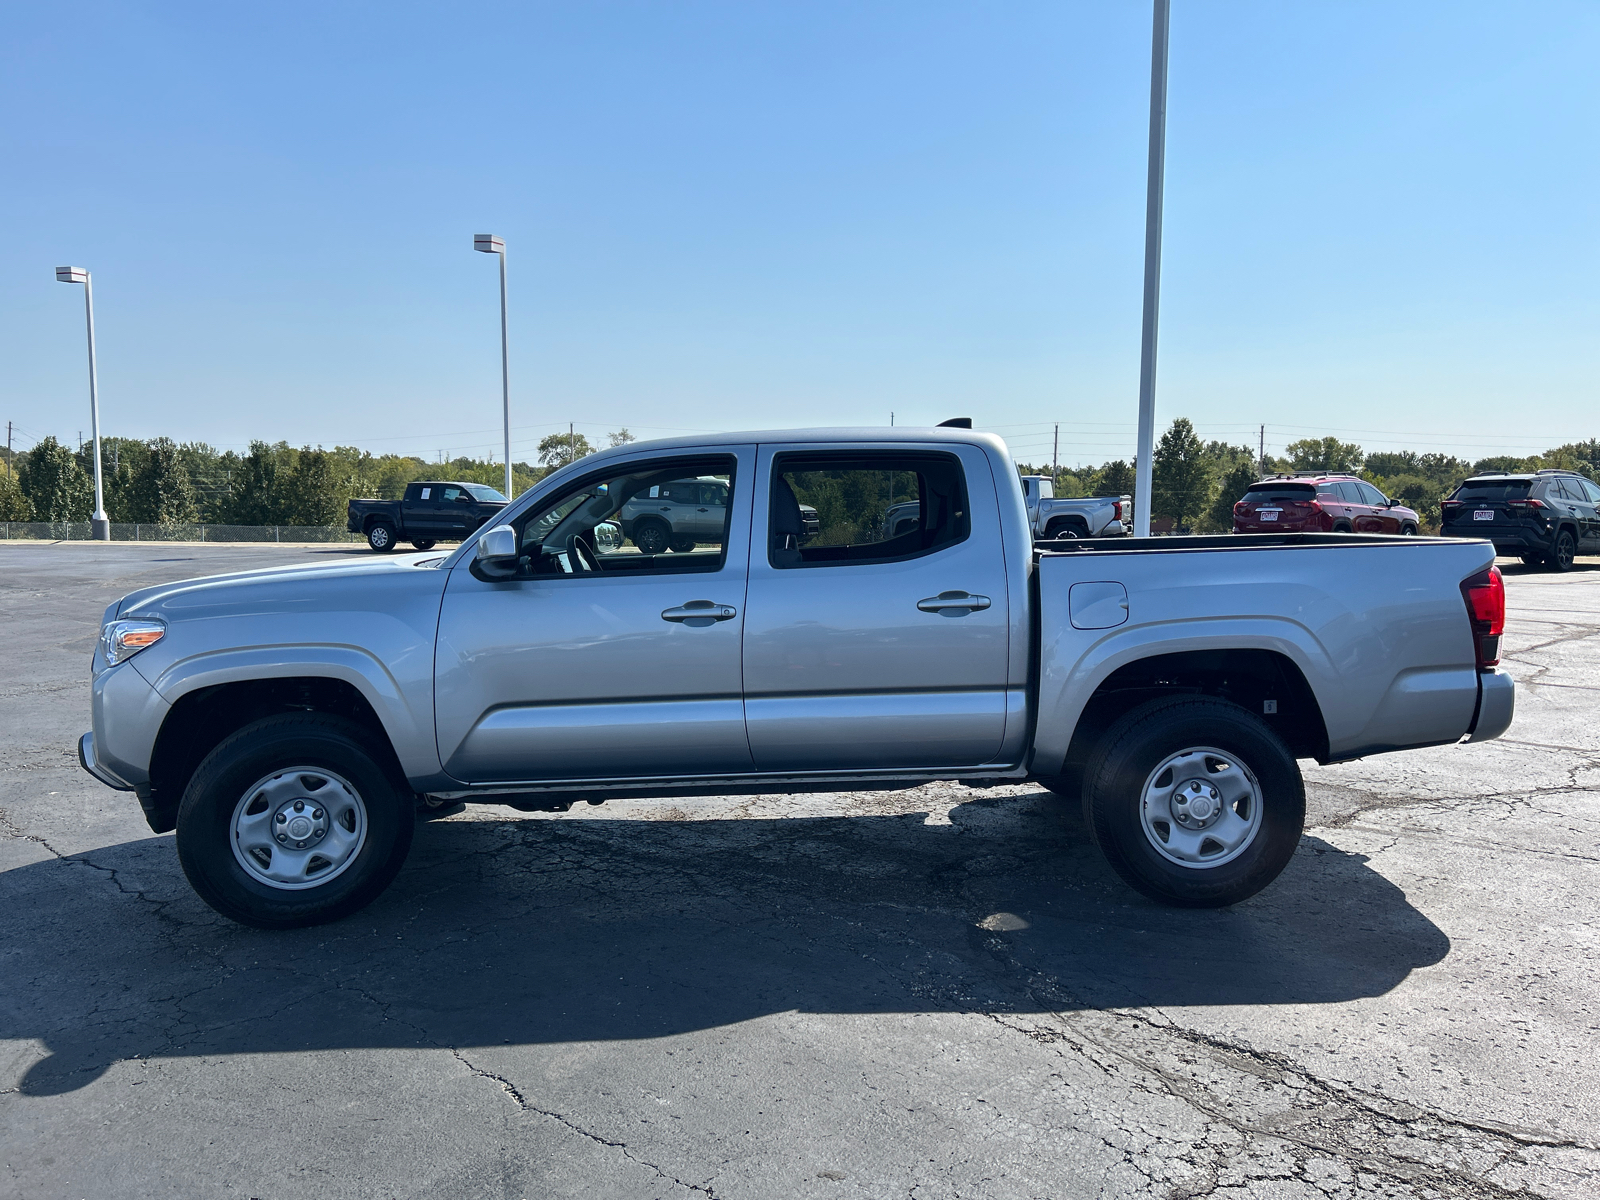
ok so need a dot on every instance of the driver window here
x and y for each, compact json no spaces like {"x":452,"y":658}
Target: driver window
{"x":646,"y":519}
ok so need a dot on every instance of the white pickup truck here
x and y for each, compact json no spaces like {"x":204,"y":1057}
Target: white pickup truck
{"x":1053,"y":519}
{"x":287,"y":721}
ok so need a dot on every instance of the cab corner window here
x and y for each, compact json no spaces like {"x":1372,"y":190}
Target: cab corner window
{"x":652,"y":518}
{"x":835,"y":509}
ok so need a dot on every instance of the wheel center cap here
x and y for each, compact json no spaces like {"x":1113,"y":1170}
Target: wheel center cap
{"x":300,"y":827}
{"x":1196,"y":804}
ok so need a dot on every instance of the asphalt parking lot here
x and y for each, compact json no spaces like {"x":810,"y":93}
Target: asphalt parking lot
{"x":935,"y":993}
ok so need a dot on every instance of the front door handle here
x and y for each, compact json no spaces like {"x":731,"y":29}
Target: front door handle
{"x":953,"y":604}
{"x":700,"y":613}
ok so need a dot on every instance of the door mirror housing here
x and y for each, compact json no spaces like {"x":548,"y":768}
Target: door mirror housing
{"x":608,"y":536}
{"x":496,"y":556}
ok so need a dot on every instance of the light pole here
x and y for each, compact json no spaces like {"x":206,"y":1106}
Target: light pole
{"x":99,"y":525}
{"x":489,"y":244}
{"x":1152,"y":269}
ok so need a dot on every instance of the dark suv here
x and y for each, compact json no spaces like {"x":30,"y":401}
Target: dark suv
{"x":1541,"y":517}
{"x":1315,"y":503}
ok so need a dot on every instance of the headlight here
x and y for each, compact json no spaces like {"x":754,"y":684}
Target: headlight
{"x":121,"y":640}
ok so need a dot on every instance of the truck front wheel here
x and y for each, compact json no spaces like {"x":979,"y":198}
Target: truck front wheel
{"x":291,"y":822}
{"x":1195,"y":802}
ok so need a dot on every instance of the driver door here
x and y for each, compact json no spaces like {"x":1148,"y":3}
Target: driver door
{"x":599,"y":661}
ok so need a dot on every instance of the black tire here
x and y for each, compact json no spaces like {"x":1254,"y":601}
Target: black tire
{"x":424,"y":544}
{"x":1058,"y":530}
{"x":651,"y":537}
{"x":1564,"y":553}
{"x":1408,"y":531}
{"x":1126,"y":760}
{"x":681,"y":543}
{"x":242,"y":763}
{"x":380,"y":536}
{"x":1532,"y":560}
{"x":1342,"y":527}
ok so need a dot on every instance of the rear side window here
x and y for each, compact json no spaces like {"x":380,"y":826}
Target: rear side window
{"x":1590,"y":490}
{"x":1280,"y":493}
{"x":1350,"y":492}
{"x":870,"y":508}
{"x":1491,"y":490}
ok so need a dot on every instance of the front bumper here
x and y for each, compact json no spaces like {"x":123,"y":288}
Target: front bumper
{"x":87,"y":760}
{"x":1497,"y":704}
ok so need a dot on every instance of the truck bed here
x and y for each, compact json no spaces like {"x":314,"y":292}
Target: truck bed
{"x":1375,"y":627}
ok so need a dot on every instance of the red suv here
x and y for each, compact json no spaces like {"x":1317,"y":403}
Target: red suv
{"x":1313,"y":503}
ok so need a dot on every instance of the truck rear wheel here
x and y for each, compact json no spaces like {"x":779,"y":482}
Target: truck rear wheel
{"x":381,"y":536}
{"x":291,"y":822}
{"x":1195,"y":802}
{"x":651,"y":537}
{"x":1566,"y":549}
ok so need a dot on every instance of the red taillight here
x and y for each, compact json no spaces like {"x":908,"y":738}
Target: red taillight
{"x":1451,"y":503}
{"x":1525,"y":504}
{"x":1116,"y":510}
{"x":1485,"y":594}
{"x":1241,"y":507}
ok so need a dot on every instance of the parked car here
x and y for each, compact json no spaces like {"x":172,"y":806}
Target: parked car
{"x":430,"y":512}
{"x":287,"y":721}
{"x":1543,"y":517}
{"x":1091,"y":516}
{"x":683,"y":512}
{"x":1315,"y":503}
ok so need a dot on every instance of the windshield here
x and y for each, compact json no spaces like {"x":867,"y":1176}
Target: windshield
{"x":1280,"y":493}
{"x":479,"y":492}
{"x":1492,"y":489}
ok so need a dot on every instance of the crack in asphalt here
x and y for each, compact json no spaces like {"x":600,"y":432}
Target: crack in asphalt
{"x":525,"y":1105}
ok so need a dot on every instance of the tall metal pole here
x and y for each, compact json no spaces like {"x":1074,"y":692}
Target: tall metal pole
{"x":505,"y":373}
{"x":1152,"y":268}
{"x":1055,"y":460}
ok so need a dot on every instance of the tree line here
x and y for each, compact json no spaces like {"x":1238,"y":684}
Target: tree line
{"x":1194,"y":483}
{"x":162,"y":482}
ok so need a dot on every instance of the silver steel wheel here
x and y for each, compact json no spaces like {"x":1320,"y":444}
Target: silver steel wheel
{"x":298,"y":828}
{"x":378,"y":537}
{"x":1201,"y":807}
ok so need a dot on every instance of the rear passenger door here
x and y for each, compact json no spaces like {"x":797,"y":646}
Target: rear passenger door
{"x":867,"y":650}
{"x":1585,"y":496}
{"x":1376,"y":511}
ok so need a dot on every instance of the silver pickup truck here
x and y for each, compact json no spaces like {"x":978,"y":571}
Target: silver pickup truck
{"x":287,"y":722}
{"x":1089,"y":516}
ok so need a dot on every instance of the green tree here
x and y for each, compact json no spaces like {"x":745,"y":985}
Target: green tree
{"x":1325,"y":454}
{"x":621,"y":437}
{"x":56,"y":486}
{"x":159,"y":492}
{"x":14,"y":506}
{"x":559,"y":449}
{"x":1116,"y":478}
{"x":1180,"y":483}
{"x":314,"y":493}
{"x":254,"y":497}
{"x":1234,"y":483}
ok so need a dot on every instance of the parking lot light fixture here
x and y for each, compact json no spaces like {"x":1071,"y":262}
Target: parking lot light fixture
{"x":99,"y":524}
{"x":488,"y":243}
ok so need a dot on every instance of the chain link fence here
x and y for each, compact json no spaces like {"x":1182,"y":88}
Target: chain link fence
{"x":78,"y":531}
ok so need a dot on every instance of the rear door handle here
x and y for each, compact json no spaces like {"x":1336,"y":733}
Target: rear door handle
{"x":700,"y":613}
{"x":953,"y":604}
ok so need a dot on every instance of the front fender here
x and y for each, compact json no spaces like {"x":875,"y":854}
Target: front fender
{"x":406,"y":712}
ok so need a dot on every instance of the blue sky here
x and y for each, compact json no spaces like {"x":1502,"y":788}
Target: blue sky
{"x":1381,"y":220}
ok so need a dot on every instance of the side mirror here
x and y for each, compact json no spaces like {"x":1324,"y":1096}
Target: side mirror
{"x":497,"y":554}
{"x":608,"y":537}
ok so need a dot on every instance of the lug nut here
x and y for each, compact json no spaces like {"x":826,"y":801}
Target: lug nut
{"x":299,"y":845}
{"x":316,"y":814}
{"x":283,"y":837}
{"x":320,"y":832}
{"x":299,"y":806}
{"x":282,"y":818}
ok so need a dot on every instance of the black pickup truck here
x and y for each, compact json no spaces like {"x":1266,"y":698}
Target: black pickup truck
{"x":429,"y":512}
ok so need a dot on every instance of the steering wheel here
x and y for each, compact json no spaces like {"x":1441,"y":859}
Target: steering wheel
{"x":582,"y":554}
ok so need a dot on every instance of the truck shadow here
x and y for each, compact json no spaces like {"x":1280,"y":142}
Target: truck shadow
{"x":527,"y":930}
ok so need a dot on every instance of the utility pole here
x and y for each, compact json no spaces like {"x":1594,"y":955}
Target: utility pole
{"x":1263,"y":449}
{"x":1055,"y":461}
{"x":8,"y":449}
{"x":99,"y":523}
{"x":572,"y":445}
{"x":488,"y":243}
{"x":891,"y":418}
{"x":1152,"y":266}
